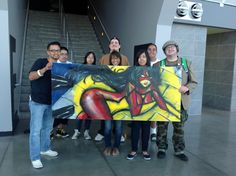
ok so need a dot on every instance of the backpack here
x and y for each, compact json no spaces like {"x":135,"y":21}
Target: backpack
{"x":183,"y":63}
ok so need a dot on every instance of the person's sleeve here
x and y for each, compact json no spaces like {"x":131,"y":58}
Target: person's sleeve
{"x":192,"y":80}
{"x":125,"y":61}
{"x":101,"y":60}
{"x":36,"y":66}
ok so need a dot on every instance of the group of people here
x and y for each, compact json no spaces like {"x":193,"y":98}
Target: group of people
{"x":41,"y":122}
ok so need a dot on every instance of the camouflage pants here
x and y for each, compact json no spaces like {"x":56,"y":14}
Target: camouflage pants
{"x":178,"y":134}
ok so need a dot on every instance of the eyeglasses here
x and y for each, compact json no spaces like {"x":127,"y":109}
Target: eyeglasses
{"x":151,"y":49}
{"x":54,"y":51}
{"x":170,"y":46}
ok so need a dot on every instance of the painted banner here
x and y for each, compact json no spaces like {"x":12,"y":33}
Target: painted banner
{"x":116,"y":92}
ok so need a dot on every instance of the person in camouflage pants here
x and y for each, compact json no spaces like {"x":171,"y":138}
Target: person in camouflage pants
{"x":178,"y":134}
{"x":189,"y":82}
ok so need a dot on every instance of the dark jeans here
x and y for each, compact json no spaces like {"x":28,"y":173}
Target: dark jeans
{"x":87,"y":124}
{"x":102,"y":127}
{"x":108,"y":132}
{"x":136,"y":126}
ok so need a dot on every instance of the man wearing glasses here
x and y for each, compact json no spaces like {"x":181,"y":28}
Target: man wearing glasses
{"x":41,"y":121}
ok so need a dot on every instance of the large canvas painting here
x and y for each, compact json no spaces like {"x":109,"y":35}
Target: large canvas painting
{"x":116,"y":92}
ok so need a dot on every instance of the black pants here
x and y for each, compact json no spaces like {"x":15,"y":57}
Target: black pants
{"x":144,"y":126}
{"x":60,"y":121}
{"x":102,"y":127}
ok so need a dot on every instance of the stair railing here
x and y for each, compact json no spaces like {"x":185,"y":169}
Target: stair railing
{"x":98,"y":26}
{"x":64,"y":31}
{"x":23,"y":47}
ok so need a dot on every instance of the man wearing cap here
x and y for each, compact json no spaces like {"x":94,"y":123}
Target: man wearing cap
{"x":171,"y":49}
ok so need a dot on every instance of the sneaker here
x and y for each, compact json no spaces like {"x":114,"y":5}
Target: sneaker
{"x":76,"y":134}
{"x":86,"y":135}
{"x":153,"y":137}
{"x":182,"y":157}
{"x":146,"y":156}
{"x":115,"y":152}
{"x":98,"y":137}
{"x":61,"y":133}
{"x":37,"y":164}
{"x":107,"y":151}
{"x":122,"y":139}
{"x":131,"y":155}
{"x":161,"y":154}
{"x":49,"y":153}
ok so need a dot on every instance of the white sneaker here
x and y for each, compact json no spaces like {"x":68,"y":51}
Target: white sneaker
{"x":37,"y":164}
{"x":76,"y":134}
{"x":86,"y":135}
{"x":98,"y":137}
{"x":122,"y":139}
{"x":49,"y":153}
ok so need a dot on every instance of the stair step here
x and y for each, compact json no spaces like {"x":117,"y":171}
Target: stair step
{"x":44,"y":27}
{"x":24,"y":115}
{"x":24,"y":107}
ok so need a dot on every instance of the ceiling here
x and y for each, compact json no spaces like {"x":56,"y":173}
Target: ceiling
{"x":70,"y":6}
{"x":211,"y":30}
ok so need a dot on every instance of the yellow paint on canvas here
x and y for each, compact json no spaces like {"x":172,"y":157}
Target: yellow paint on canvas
{"x":168,"y":89}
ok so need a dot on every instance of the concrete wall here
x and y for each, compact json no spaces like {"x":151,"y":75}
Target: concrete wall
{"x":233,"y":98}
{"x":17,"y":14}
{"x":12,"y":16}
{"x":192,"y":43}
{"x":220,"y":72}
{"x":138,"y":22}
{"x":135,"y":21}
{"x":214,"y":15}
{"x":5,"y":93}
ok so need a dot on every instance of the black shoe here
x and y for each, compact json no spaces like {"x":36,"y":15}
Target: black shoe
{"x":131,"y":156}
{"x":147,"y":157}
{"x":182,"y":157}
{"x":61,"y":133}
{"x":161,"y":154}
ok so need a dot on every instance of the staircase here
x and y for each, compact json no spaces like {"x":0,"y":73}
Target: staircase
{"x":83,"y":37}
{"x":44,"y":27}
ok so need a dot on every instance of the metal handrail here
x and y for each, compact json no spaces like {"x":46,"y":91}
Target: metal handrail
{"x":64,"y":30}
{"x":23,"y":47}
{"x":100,"y":21}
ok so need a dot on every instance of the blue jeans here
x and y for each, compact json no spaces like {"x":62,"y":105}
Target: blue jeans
{"x":41,"y":123}
{"x":108,"y":132}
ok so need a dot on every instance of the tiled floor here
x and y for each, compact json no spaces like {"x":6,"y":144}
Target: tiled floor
{"x":210,"y":145}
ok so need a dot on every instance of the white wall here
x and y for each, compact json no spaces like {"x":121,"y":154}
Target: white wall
{"x":17,"y":12}
{"x":12,"y":17}
{"x":5,"y":93}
